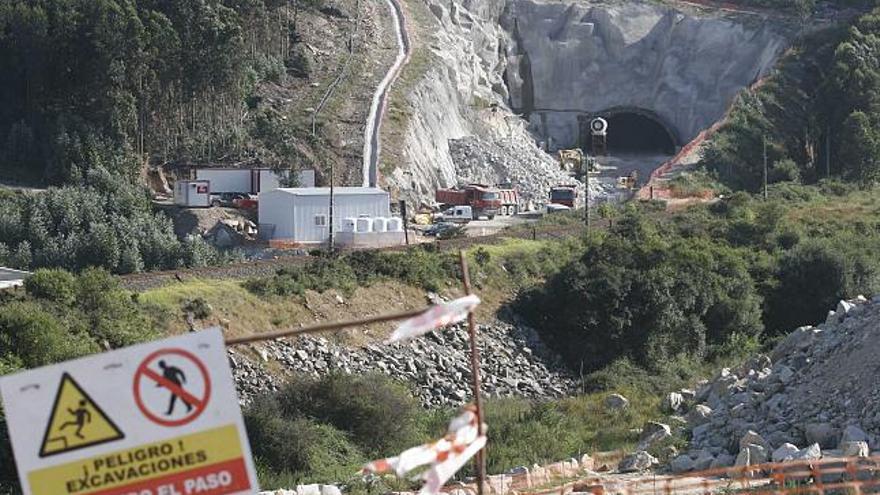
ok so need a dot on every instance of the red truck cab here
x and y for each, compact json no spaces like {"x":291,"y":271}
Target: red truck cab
{"x":484,"y":200}
{"x":563,"y":195}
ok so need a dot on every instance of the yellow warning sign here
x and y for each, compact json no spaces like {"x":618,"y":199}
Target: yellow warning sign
{"x":76,"y":421}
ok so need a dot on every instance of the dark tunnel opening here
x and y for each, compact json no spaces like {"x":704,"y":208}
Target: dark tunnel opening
{"x":633,"y":132}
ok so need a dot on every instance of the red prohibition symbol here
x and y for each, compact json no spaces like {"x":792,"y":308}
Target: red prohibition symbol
{"x":178,"y":387}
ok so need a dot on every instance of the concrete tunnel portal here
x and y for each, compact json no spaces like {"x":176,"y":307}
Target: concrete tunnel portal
{"x":632,"y":130}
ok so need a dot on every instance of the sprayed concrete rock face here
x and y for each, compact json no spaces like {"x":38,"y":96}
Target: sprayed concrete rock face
{"x":576,"y":59}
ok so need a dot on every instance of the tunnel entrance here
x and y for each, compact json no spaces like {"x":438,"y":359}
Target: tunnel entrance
{"x":634,"y":131}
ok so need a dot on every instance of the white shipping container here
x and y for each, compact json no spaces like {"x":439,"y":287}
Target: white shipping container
{"x":303,"y":214}
{"x":250,"y":180}
{"x":192,"y":193}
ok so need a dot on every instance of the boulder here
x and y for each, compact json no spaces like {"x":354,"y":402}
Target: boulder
{"x":853,"y":433}
{"x":808,"y":454}
{"x":616,"y":402}
{"x":822,"y":433}
{"x":673,"y":402}
{"x":751,"y":455}
{"x":785,"y":452}
{"x":854,"y":449}
{"x":722,"y":460}
{"x":682,"y":464}
{"x":637,"y":461}
{"x":704,"y":460}
{"x":330,"y":490}
{"x":652,"y":434}
{"x":844,"y":307}
{"x":587,"y":463}
{"x":308,"y":490}
{"x":752,"y":437}
{"x":699,"y":415}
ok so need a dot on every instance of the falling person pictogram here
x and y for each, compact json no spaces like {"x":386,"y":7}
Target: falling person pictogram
{"x":176,"y":376}
{"x":83,"y":417}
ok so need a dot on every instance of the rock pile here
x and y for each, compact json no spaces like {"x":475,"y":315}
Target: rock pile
{"x":817,"y":389}
{"x":514,"y":161}
{"x":514,"y":362}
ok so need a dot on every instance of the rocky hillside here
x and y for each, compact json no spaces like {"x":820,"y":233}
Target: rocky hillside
{"x":814,"y":396}
{"x":514,"y":363}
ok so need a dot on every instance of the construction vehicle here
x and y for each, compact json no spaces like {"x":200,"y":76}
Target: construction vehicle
{"x":628,"y":182}
{"x":576,"y":164}
{"x":509,"y":201}
{"x":564,"y":195}
{"x":483,"y":200}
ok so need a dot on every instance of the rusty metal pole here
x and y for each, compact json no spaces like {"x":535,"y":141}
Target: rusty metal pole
{"x":475,"y":374}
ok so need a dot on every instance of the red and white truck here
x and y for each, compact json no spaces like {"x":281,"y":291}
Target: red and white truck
{"x":509,"y":201}
{"x":563,"y":195}
{"x":483,"y":200}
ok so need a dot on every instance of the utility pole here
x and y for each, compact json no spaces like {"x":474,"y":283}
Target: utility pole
{"x":332,"y":243}
{"x":587,"y":194}
{"x":765,"y":168}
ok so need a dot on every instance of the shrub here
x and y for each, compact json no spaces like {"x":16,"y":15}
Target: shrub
{"x":53,"y":284}
{"x":37,"y":338}
{"x":300,"y":447}
{"x":380,"y":415}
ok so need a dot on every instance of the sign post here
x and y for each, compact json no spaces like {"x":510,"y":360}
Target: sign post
{"x":160,"y":418}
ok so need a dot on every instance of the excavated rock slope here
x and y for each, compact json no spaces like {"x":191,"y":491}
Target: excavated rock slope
{"x":816,"y":394}
{"x":514,"y":363}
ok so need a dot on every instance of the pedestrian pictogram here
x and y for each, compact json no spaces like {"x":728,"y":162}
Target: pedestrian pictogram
{"x":172,"y":387}
{"x":76,"y":421}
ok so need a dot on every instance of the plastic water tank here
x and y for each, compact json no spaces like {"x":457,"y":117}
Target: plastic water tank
{"x":395,"y":224}
{"x":380,"y":224}
{"x":364,"y":225}
{"x":348,"y":224}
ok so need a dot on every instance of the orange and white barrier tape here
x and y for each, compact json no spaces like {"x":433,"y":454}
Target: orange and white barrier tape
{"x":444,"y":457}
{"x":435,"y":318}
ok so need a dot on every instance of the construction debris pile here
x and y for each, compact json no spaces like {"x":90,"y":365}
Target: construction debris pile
{"x":517,"y":162}
{"x":514,"y":362}
{"x":814,"y":396}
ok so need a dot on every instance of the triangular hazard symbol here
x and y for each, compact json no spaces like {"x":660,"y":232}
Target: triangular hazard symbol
{"x":76,"y":421}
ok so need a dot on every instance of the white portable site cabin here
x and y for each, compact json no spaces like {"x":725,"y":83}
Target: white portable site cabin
{"x":249,"y":180}
{"x":192,"y":193}
{"x":302,"y":215}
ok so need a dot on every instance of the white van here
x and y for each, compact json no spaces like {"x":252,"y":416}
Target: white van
{"x":459,"y":214}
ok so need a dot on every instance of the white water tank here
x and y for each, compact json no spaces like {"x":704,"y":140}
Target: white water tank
{"x":395,"y":224}
{"x":380,"y":224}
{"x":348,"y":224}
{"x":364,"y":225}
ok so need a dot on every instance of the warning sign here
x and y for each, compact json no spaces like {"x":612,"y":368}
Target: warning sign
{"x":76,"y":421}
{"x":155,"y":419}
{"x":164,"y":393}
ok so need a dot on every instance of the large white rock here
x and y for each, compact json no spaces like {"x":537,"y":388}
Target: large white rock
{"x":637,"y":461}
{"x":752,"y":437}
{"x":699,"y":415}
{"x":330,"y":490}
{"x":652,"y":434}
{"x":751,"y":455}
{"x":308,"y":490}
{"x":672,"y":402}
{"x":854,"y":449}
{"x":785,"y":452}
{"x":808,"y":454}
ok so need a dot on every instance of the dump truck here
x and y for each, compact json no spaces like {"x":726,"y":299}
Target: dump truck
{"x":483,"y":200}
{"x":565,"y":195}
{"x":509,"y":200}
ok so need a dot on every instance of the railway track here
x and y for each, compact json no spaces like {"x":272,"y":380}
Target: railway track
{"x":139,"y":282}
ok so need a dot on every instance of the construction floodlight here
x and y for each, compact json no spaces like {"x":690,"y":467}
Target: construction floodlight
{"x":599,"y":126}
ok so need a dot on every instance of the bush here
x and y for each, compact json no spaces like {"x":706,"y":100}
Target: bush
{"x":299,"y":447}
{"x":38,"y":338}
{"x":649,"y":300}
{"x":381,"y":415}
{"x":52,"y":284}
